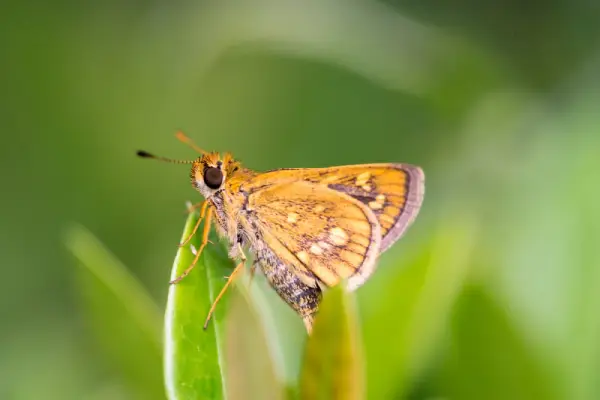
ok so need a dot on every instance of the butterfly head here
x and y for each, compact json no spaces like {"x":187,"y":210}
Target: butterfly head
{"x":210,"y":172}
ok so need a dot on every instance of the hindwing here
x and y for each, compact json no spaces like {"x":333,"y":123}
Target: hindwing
{"x":321,"y":233}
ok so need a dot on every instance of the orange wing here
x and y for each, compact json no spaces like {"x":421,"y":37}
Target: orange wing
{"x":393,"y":192}
{"x":319,"y":232}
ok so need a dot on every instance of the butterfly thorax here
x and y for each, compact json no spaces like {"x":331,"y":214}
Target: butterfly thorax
{"x":229,"y":205}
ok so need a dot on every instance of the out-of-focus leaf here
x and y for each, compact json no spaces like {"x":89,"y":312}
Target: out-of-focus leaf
{"x":579,"y":201}
{"x":249,"y":365}
{"x":284,"y":330}
{"x":121,"y":314}
{"x":290,"y":28}
{"x":488,"y":358}
{"x":193,"y":356}
{"x":333,"y":361}
{"x":404,"y":309}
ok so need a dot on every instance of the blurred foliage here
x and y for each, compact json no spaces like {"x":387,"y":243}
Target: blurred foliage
{"x":193,"y":355}
{"x":121,"y":315}
{"x":249,"y":362}
{"x":334,"y":362}
{"x":492,"y":293}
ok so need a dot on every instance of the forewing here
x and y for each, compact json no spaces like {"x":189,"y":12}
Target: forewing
{"x":393,"y":192}
{"x":320,"y":233}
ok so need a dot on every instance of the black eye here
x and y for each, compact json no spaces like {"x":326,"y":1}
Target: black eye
{"x":213,"y":177}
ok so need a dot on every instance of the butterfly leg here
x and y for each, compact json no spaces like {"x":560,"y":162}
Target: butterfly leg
{"x":185,"y":139}
{"x":190,"y":208}
{"x":236,"y":271}
{"x":199,"y":251}
{"x":204,"y":207}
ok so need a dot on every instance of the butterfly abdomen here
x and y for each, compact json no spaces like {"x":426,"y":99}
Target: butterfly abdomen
{"x":302,"y":298}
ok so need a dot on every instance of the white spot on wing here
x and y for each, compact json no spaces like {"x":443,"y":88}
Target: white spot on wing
{"x":338,"y":236}
{"x":375,"y":205}
{"x":303,"y":256}
{"x":292,"y":218}
{"x":316,"y":249}
{"x":363,"y":178}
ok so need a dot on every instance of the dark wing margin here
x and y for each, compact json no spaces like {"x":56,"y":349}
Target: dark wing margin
{"x":393,"y":192}
{"x":414,"y":191}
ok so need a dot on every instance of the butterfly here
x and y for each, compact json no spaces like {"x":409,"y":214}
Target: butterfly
{"x":307,"y":228}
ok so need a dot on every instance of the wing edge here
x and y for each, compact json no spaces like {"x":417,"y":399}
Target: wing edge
{"x":415,"y":193}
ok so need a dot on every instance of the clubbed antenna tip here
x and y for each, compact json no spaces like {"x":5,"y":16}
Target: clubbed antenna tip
{"x":145,"y":154}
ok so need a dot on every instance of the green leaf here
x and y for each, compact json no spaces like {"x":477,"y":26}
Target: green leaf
{"x":286,"y":335}
{"x":122,"y":316}
{"x":404,"y":309}
{"x":249,"y":365}
{"x":333,"y":367}
{"x":488,"y":357}
{"x":194,"y":356}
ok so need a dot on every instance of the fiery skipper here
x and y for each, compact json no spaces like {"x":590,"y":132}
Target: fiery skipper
{"x":308,"y":228}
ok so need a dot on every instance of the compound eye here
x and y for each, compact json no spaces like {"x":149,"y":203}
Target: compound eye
{"x":213,"y":177}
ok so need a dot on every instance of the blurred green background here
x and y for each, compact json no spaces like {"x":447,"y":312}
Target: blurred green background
{"x":498,"y":101}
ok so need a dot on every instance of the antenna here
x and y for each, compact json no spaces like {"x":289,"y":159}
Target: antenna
{"x":145,"y":154}
{"x":185,"y":139}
